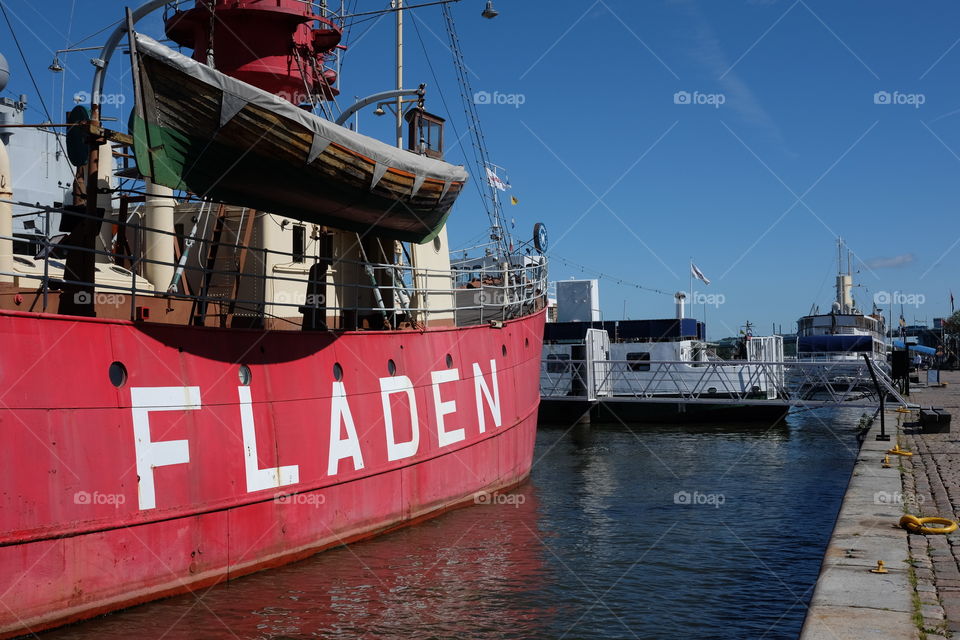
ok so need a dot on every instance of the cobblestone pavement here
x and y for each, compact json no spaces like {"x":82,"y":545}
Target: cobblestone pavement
{"x":931,"y":487}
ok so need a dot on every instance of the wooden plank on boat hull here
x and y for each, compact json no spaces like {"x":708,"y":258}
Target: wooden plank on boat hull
{"x":258,"y":159}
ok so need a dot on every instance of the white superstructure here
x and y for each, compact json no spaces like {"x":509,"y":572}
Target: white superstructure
{"x":844,"y":334}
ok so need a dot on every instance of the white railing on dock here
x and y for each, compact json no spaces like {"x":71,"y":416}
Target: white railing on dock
{"x":742,"y":382}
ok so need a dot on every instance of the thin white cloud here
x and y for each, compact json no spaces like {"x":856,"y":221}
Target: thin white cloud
{"x":709,"y":52}
{"x":890,"y":263}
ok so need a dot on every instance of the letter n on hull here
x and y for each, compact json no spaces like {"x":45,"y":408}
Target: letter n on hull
{"x":485,"y":397}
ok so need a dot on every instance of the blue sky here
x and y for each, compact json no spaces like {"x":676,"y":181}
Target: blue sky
{"x":633,"y":184}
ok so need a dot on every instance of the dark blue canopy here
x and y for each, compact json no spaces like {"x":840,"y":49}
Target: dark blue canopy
{"x":919,"y":348}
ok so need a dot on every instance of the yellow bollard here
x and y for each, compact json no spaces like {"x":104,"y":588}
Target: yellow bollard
{"x":886,"y":462}
{"x":880,"y":568}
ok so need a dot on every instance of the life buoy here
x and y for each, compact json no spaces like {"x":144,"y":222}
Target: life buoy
{"x":913,"y":524}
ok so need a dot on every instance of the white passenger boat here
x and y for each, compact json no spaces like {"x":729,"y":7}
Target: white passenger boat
{"x":844,"y":335}
{"x":635,"y":369}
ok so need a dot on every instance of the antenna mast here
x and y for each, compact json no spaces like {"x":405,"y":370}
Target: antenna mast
{"x":499,"y":232}
{"x":398,"y":5}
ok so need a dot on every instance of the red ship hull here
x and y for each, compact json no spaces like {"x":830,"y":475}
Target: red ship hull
{"x":178,"y":473}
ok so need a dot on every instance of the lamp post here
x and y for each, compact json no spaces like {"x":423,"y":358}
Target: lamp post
{"x":56,"y":67}
{"x":489,"y":12}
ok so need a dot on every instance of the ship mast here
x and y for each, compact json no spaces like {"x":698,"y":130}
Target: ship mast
{"x":398,"y":6}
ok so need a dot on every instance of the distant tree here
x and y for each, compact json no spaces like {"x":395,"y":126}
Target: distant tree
{"x":951,"y":330}
{"x":951,"y":325}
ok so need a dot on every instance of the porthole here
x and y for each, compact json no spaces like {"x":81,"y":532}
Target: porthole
{"x":391,"y":367}
{"x":449,"y":360}
{"x":118,"y":374}
{"x":244,"y":375}
{"x":437,"y":245}
{"x":337,"y":371}
{"x":503,"y":350}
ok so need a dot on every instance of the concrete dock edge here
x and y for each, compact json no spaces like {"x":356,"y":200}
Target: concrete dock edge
{"x":850,"y":602}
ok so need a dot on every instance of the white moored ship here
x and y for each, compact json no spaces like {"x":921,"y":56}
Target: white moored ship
{"x":845,"y":334}
{"x":655,"y":370}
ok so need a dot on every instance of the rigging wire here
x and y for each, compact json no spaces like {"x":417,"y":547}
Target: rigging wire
{"x":96,"y":33}
{"x":472,"y":242}
{"x":479,"y":143}
{"x":33,"y":80}
{"x":443,"y":99}
{"x":63,"y":76}
{"x":608,"y":277}
{"x":393,"y":9}
{"x":349,"y":27}
{"x":373,"y":19}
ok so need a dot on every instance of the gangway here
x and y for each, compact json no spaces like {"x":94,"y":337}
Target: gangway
{"x":794,"y":384}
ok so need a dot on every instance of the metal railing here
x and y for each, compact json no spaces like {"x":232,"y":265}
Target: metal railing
{"x":740,"y":382}
{"x":397,"y":294}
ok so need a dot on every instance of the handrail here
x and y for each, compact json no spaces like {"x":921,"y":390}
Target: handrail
{"x":790,"y":384}
{"x":486,"y":290}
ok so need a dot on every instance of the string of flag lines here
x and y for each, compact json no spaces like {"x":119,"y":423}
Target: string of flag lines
{"x":606,"y":276}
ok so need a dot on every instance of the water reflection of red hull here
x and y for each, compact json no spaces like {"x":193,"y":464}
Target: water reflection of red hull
{"x":466,"y":574}
{"x":185,"y":475}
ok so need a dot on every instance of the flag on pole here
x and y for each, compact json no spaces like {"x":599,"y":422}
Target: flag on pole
{"x":514,"y":200}
{"x":952,"y":309}
{"x":696,"y":273}
{"x":494,"y":180}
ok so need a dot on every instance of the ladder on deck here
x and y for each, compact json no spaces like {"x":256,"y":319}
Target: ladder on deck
{"x":226,"y":260}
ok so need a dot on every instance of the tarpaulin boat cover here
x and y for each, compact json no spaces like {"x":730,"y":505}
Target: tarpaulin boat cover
{"x":324,"y":131}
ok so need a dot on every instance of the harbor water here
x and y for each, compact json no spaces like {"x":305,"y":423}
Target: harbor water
{"x":707,"y":531}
